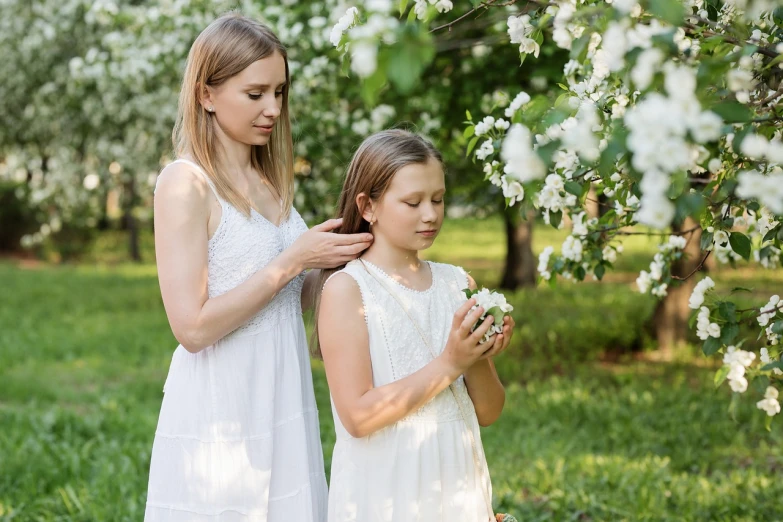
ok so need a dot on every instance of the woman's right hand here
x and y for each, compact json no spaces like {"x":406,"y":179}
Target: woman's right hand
{"x":464,"y":347}
{"x":319,"y":247}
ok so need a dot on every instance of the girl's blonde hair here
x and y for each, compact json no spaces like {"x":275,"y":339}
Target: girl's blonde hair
{"x":222,"y":50}
{"x":371,"y":170}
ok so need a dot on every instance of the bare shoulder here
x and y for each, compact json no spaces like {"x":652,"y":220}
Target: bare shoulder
{"x":471,"y":282}
{"x":341,"y":290}
{"x":180,"y":184}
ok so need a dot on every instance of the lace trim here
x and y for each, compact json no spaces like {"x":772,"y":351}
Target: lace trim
{"x":400,"y":285}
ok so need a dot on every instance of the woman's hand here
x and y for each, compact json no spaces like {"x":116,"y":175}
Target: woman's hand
{"x":464,"y":347}
{"x":319,"y":247}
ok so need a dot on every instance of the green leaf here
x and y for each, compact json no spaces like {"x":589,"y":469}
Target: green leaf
{"x":777,"y":327}
{"x":579,"y":47}
{"x":580,"y":273}
{"x":720,"y":375}
{"x":772,"y":366}
{"x":740,"y":243}
{"x":706,"y":240}
{"x":469,"y":132}
{"x":467,"y":113}
{"x":497,"y":313}
{"x":408,"y":60}
{"x":555,"y":218}
{"x":711,"y":346}
{"x":728,"y":311}
{"x":760,"y":383}
{"x":572,"y":187}
{"x":733,"y":112}
{"x":471,"y":144}
{"x":728,"y":333}
{"x":740,"y":289}
{"x":671,"y":11}
{"x":403,"y":4}
{"x":600,"y":270}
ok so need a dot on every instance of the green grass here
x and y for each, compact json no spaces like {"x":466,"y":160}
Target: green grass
{"x":84,"y":352}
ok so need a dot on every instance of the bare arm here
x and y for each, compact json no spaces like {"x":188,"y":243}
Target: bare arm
{"x":344,"y":341}
{"x":181,"y":216}
{"x":484,"y":387}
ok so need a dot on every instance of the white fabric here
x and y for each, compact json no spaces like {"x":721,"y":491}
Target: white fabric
{"x":238,"y":437}
{"x":422,"y":467}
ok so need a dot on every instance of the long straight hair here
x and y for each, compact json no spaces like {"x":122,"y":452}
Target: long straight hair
{"x":370,"y":172}
{"x":223,"y":50}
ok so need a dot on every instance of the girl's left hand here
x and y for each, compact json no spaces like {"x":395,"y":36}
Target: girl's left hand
{"x":503,"y":339}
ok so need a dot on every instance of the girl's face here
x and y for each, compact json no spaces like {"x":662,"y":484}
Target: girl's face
{"x":248,"y":104}
{"x":409,"y":215}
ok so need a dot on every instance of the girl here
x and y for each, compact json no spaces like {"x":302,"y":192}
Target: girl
{"x":237,"y":439}
{"x":395,"y":333}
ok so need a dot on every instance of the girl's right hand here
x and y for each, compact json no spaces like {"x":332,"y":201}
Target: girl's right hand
{"x":321,"y":248}
{"x":464,"y":347}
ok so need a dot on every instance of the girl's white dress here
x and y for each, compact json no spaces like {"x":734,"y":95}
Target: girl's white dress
{"x":238,"y":437}
{"x":422,"y":467}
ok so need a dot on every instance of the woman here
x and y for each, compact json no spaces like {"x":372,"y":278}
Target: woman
{"x":237,"y":438}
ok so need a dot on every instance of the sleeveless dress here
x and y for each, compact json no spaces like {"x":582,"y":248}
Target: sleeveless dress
{"x":420,"y":468}
{"x":238,"y":434}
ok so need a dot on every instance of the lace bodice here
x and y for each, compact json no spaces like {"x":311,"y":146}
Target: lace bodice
{"x":396,"y":347}
{"x":242,"y":246}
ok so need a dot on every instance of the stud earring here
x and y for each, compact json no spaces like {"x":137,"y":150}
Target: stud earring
{"x":211,"y":108}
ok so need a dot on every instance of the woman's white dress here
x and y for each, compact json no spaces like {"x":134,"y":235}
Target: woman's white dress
{"x":420,"y":468}
{"x":238,"y":437}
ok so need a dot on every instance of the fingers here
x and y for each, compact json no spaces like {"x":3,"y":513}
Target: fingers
{"x":479,"y":332}
{"x":462,"y":311}
{"x":352,"y":250}
{"x":470,"y":320}
{"x":496,"y":347}
{"x":351,"y":239}
{"x":328,"y":225}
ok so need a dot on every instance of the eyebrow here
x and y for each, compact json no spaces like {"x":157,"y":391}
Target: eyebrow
{"x":421,"y":193}
{"x":263,"y":86}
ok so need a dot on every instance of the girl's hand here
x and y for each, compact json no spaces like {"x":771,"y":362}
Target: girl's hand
{"x":502,"y":340}
{"x":321,"y":248}
{"x":464,"y":347}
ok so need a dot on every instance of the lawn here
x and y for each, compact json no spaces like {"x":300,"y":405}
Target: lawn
{"x":84,"y":351}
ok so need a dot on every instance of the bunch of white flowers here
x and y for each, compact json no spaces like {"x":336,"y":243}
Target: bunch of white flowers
{"x":519,"y":100}
{"x":543,"y":263}
{"x":522,"y":162}
{"x":769,"y":310}
{"x":697,"y":297}
{"x":420,"y":7}
{"x":770,"y":402}
{"x":737,"y":360}
{"x":767,"y":189}
{"x":519,"y":29}
{"x":345,"y":22}
{"x":704,"y":327}
{"x":494,"y":304}
{"x":652,"y":281}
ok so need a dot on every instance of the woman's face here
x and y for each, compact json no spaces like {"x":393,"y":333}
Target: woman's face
{"x":410,"y":214}
{"x":247,"y":105}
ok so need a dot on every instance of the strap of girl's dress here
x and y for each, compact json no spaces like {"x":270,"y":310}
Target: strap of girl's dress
{"x":473,"y":444}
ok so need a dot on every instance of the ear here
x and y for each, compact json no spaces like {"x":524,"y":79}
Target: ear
{"x":366,"y":207}
{"x":205,"y":96}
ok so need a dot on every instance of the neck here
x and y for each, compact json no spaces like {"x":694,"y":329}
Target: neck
{"x":392,"y":259}
{"x":235,"y":155}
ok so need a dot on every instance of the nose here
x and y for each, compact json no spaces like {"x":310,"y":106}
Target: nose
{"x":429,"y":213}
{"x":272,"y":109}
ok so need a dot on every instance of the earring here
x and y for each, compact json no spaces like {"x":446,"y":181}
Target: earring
{"x":211,"y":108}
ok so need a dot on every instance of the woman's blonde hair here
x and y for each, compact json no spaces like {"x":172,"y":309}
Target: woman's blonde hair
{"x":376,"y":161}
{"x":222,"y":50}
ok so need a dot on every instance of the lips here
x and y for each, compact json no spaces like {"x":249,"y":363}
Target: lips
{"x":427,"y":233}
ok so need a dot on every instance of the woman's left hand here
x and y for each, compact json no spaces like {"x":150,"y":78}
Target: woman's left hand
{"x":503,"y":340}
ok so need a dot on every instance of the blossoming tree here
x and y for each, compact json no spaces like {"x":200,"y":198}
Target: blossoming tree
{"x":669,"y":109}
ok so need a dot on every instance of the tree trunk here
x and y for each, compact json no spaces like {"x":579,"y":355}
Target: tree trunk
{"x":671,"y":315}
{"x":129,"y":220}
{"x":520,"y":269}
